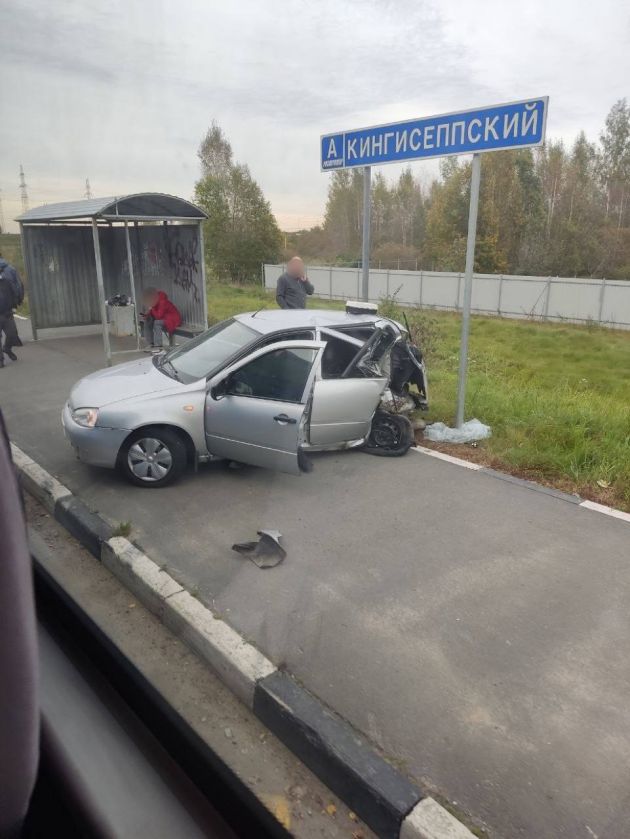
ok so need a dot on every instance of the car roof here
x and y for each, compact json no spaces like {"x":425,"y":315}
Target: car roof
{"x":274,"y":320}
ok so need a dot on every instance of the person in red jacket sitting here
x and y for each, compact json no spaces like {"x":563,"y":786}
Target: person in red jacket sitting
{"x":160,"y":316}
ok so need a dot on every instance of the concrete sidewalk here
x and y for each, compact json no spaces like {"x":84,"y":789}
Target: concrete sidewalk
{"x":476,"y":630}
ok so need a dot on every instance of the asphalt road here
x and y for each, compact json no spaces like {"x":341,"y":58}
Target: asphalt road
{"x":476,"y":630}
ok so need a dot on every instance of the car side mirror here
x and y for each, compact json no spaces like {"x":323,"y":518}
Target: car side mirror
{"x":221,"y":388}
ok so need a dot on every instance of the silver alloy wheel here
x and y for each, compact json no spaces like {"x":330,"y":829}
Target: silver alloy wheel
{"x":149,"y":459}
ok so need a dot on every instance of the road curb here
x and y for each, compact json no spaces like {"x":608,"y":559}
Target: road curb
{"x":429,"y":820}
{"x":37,"y":482}
{"x":86,"y":526}
{"x":328,"y":745}
{"x":391,"y":805}
{"x":239,"y":664}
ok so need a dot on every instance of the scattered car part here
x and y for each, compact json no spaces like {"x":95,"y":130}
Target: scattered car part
{"x":267,"y":552}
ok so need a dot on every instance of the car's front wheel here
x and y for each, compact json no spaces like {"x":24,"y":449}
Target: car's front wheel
{"x":153,"y":457}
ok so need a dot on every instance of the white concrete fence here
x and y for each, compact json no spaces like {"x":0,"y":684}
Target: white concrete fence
{"x":605,"y":302}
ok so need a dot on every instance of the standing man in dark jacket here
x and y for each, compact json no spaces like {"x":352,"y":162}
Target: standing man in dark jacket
{"x":293,"y":286}
{"x":7,"y":302}
{"x":12,"y":339}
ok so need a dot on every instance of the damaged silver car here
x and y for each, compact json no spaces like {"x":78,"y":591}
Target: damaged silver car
{"x":262,"y":388}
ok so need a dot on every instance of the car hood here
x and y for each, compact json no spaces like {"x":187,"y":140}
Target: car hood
{"x":114,"y":384}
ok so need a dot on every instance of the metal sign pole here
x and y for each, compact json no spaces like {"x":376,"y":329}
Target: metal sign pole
{"x":468,"y":279}
{"x":367,"y":206}
{"x":101,"y":292}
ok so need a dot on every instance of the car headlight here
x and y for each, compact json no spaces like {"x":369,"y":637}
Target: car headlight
{"x":85,"y":416}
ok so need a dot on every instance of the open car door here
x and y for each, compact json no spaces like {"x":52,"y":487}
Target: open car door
{"x":343,"y":406}
{"x":256,"y":410}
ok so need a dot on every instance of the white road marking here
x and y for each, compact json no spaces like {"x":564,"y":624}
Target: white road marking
{"x":607,"y":511}
{"x":589,"y":505}
{"x":467,"y":464}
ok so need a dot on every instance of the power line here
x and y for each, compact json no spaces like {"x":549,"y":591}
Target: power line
{"x":23,"y":192}
{"x":88,"y":191}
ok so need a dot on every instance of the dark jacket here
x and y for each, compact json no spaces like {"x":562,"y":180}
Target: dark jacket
{"x":7,"y":297}
{"x":8,"y":272}
{"x":291,"y":292}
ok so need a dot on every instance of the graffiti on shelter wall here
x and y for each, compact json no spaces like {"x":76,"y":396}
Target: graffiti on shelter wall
{"x":184,"y":261}
{"x":151,"y":259}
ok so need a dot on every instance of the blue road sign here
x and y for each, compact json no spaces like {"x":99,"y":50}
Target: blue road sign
{"x":514,"y":125}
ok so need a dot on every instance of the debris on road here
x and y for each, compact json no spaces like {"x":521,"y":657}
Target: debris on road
{"x":470,"y":431}
{"x":267,"y":552}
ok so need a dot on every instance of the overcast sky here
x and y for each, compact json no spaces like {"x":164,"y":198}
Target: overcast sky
{"x":123,"y":91}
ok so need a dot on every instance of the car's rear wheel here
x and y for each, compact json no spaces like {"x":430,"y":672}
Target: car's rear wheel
{"x":391,"y":435}
{"x":153,"y":457}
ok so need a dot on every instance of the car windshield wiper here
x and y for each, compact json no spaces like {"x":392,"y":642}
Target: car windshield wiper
{"x":164,"y":363}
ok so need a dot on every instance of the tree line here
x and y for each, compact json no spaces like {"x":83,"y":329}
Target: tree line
{"x":241,"y":231}
{"x":547,"y":211}
{"x":554,"y":210}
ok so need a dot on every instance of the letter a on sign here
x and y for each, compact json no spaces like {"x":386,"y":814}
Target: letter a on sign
{"x":332,"y":149}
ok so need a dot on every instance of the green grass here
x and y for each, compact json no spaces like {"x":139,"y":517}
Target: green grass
{"x":556,"y":395}
{"x":122,"y":529}
{"x":227,"y":300}
{"x":557,"y":398}
{"x":11,"y":250}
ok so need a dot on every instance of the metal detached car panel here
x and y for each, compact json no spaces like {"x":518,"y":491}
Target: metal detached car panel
{"x":261,"y":388}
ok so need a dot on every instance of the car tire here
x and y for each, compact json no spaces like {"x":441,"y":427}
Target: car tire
{"x":153,"y":457}
{"x":391,"y":435}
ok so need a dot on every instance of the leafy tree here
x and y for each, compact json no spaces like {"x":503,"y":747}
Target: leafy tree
{"x":615,"y":159}
{"x":215,"y":153}
{"x":408,"y":211}
{"x":241,"y":231}
{"x":343,"y":219}
{"x":551,"y":210}
{"x":447,"y":218}
{"x":382,"y":211}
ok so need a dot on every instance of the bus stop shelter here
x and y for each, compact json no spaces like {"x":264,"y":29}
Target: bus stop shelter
{"x":78,"y":254}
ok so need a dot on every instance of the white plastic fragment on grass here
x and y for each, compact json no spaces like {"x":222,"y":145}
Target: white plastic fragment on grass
{"x":470,"y":431}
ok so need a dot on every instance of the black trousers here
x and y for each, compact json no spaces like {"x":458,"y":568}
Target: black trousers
{"x":7,"y":325}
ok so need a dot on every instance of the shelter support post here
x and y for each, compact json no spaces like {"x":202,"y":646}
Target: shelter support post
{"x":29,"y":278}
{"x":202,"y":263}
{"x":132,"y":284}
{"x":468,"y":280}
{"x":101,"y":292}
{"x":367,"y":206}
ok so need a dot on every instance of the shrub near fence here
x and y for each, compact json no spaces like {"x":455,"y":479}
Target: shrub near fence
{"x":605,"y":302}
